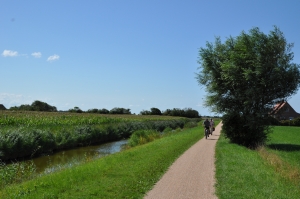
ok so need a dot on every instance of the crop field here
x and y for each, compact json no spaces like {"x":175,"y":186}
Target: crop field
{"x":34,"y":118}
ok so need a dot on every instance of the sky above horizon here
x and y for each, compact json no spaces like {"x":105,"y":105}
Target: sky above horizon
{"x":130,"y":54}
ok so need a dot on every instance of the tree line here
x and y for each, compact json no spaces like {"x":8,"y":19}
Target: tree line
{"x":187,"y":112}
{"x":43,"y":106}
{"x":35,"y":106}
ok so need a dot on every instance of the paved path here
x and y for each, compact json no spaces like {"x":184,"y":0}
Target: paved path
{"x":192,"y":175}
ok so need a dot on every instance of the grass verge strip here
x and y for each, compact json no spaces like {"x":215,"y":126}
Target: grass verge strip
{"x":281,"y":167}
{"x":243,"y":173}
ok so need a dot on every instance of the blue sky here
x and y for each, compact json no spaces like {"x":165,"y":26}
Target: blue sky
{"x":134,"y":54}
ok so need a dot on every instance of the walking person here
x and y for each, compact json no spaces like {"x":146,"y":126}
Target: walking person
{"x":212,"y":125}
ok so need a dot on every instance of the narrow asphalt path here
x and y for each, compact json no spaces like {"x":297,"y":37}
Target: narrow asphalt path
{"x":192,"y":175}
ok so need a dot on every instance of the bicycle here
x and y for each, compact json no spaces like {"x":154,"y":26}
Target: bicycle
{"x":206,"y":133}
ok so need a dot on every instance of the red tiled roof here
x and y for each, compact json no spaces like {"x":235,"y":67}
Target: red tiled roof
{"x":277,"y":107}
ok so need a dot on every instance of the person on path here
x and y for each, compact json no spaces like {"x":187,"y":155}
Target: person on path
{"x":212,"y":125}
{"x":206,"y":124}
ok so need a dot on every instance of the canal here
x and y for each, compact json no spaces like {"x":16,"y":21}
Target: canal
{"x":68,"y":158}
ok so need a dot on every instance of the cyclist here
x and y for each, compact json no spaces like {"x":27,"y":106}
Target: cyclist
{"x":212,"y":125}
{"x":206,"y":124}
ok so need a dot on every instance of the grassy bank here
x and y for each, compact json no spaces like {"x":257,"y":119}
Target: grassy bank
{"x":29,"y":134}
{"x":128,"y":174}
{"x":270,"y":172}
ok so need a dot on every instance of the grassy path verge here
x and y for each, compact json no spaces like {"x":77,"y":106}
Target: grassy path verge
{"x":244,"y":173}
{"x":128,"y":174}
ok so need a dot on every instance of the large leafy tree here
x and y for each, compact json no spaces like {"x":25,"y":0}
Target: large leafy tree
{"x":245,"y":77}
{"x":118,"y":110}
{"x":42,"y":106}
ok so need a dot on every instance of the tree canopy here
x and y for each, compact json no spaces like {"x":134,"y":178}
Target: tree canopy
{"x":187,"y":112}
{"x":35,"y":106}
{"x":245,"y":77}
{"x":118,"y":110}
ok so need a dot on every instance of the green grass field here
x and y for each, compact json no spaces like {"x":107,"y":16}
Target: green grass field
{"x":285,"y":142}
{"x":270,"y":172}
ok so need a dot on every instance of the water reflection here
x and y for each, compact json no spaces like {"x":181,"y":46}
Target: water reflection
{"x":50,"y":163}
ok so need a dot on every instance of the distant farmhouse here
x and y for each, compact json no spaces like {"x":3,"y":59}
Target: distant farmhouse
{"x":284,"y":111}
{"x":2,"y":107}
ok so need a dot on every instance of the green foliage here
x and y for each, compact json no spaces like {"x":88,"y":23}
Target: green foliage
{"x":118,"y":110}
{"x":34,"y":119}
{"x":42,"y":106}
{"x":272,"y":121}
{"x":245,"y":77}
{"x":34,"y":133}
{"x":187,"y":112}
{"x":76,"y":109}
{"x":142,"y":136}
{"x":156,"y":129}
{"x":16,"y":172}
{"x":293,"y":122}
{"x":35,"y":106}
{"x":155,"y":111}
{"x":191,"y":124}
{"x":145,"y":112}
{"x":128,"y":174}
{"x":245,"y":130}
{"x":100,"y":111}
{"x":168,"y":129}
{"x":25,"y":142}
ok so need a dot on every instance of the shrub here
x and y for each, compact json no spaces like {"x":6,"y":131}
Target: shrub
{"x":190,"y":124}
{"x":167,"y":130}
{"x":244,"y":131}
{"x":143,"y":136}
{"x":272,"y":121}
{"x":294,"y":122}
{"x":25,"y":142}
{"x":16,"y":172}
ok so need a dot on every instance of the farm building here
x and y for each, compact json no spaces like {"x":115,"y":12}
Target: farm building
{"x":284,"y":111}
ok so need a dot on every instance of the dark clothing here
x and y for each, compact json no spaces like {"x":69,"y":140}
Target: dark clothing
{"x":206,"y":124}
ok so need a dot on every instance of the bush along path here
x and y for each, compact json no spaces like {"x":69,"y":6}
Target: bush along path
{"x":192,"y":175}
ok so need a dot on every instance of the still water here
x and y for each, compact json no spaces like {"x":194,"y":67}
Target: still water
{"x":68,"y":158}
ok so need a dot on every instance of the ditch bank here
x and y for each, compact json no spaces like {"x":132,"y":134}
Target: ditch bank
{"x":28,"y":142}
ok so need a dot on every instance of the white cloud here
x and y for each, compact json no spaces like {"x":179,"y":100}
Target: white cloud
{"x":36,"y":54}
{"x":9,"y":53}
{"x":9,"y":99}
{"x":53,"y":58}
